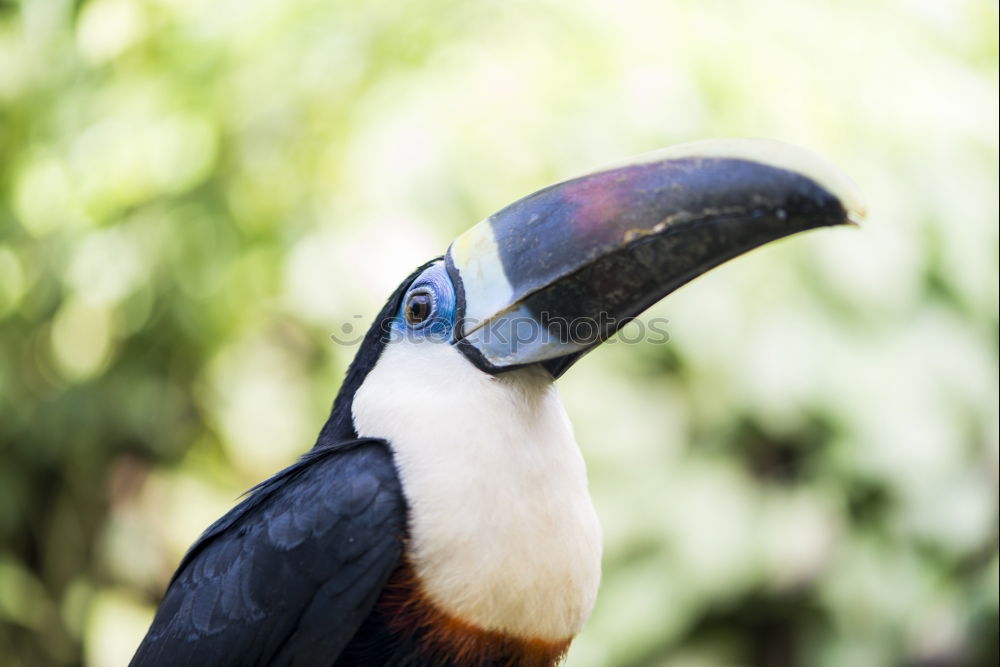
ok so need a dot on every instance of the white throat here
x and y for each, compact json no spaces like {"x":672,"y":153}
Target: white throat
{"x":502,"y":530}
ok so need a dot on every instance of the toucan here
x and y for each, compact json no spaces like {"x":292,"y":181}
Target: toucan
{"x":443,"y":517}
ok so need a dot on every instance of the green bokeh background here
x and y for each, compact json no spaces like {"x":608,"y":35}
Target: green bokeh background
{"x":194,"y":195}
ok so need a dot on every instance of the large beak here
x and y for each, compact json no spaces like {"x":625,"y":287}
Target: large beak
{"x":554,"y":274}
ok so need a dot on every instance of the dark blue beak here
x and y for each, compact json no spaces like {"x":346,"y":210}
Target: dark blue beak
{"x":556,"y":273}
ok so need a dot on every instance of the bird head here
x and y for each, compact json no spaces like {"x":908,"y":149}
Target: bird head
{"x":554,"y":274}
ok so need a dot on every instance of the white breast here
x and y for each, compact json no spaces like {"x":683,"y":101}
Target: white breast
{"x":502,"y":530}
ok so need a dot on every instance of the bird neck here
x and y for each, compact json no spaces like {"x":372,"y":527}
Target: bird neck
{"x":503,"y":535}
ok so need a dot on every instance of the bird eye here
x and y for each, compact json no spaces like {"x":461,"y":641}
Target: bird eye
{"x":418,"y":307}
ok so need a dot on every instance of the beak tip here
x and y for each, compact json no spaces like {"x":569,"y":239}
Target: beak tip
{"x":855,"y":210}
{"x":856,"y":216}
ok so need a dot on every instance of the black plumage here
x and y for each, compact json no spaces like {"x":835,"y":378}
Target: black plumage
{"x":290,"y":573}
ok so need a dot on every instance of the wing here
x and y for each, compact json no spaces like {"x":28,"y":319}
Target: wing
{"x":290,"y":573}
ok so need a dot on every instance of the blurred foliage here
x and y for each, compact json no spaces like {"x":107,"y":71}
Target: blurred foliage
{"x":194,"y":195}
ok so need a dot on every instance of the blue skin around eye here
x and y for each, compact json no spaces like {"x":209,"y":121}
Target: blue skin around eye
{"x":439,"y":325}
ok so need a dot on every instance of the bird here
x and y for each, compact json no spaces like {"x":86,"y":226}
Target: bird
{"x":442,"y":517}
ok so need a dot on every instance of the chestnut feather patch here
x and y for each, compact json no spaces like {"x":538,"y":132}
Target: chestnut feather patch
{"x":446,"y":640}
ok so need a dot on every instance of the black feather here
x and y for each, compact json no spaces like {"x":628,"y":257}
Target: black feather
{"x":289,"y":575}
